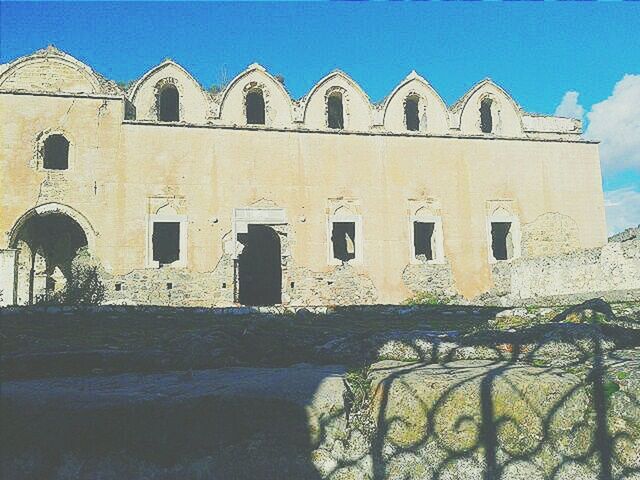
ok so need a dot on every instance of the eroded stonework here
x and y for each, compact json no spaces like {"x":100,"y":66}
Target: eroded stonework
{"x":159,"y":202}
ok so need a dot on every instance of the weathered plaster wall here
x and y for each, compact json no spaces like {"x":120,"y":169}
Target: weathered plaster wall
{"x":117,"y":167}
{"x":120,"y":171}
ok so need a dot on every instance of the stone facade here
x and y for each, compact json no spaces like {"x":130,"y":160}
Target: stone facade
{"x":212,"y":176}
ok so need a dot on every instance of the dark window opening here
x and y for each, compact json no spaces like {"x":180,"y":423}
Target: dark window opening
{"x":169,"y":286}
{"x":411,"y":115}
{"x":335,"y":114}
{"x":169,"y":104}
{"x":166,"y":242}
{"x":486,"y":120}
{"x":501,"y":243}
{"x":118,"y":287}
{"x":260,"y":267}
{"x":343,"y":237}
{"x":255,"y":108}
{"x":422,"y":240}
{"x":56,"y":153}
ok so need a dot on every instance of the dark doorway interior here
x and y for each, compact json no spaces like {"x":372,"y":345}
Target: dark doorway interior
{"x":169,"y":104}
{"x":335,"y":111}
{"x":486,"y":120}
{"x":56,"y":153}
{"x":343,"y":237}
{"x":255,"y":108}
{"x":166,"y":242}
{"x":411,"y":114}
{"x":500,"y":240}
{"x":259,"y":267}
{"x":422,"y":237}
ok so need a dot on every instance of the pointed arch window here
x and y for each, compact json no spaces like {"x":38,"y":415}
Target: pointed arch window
{"x":335,"y":111}
{"x":411,"y":113}
{"x":486,"y":117}
{"x":169,"y":104}
{"x":255,"y":107}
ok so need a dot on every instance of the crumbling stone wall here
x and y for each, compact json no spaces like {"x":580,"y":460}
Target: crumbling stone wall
{"x":433,"y":278}
{"x":342,"y":285}
{"x":174,"y":286}
{"x":612,"y":271}
{"x":550,"y":232}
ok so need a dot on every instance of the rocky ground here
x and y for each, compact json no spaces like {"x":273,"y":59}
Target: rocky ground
{"x":415,"y":392}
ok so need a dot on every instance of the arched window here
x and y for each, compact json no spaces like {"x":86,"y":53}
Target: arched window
{"x":56,"y":152}
{"x":169,"y":104}
{"x":486,"y":120}
{"x":411,"y":116}
{"x":335,"y":114}
{"x":255,"y":107}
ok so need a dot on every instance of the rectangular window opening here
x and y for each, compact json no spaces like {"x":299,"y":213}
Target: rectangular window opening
{"x":423,"y":240}
{"x":501,"y":241}
{"x":343,"y":238}
{"x":166,"y":242}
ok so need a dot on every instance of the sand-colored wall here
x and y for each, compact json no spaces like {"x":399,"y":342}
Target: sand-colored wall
{"x":117,"y":166}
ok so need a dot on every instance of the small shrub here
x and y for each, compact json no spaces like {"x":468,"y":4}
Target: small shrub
{"x":358,"y":400}
{"x":83,"y":288}
{"x":84,"y":285}
{"x":610,"y":388}
{"x":425,"y":298}
{"x":621,"y":375}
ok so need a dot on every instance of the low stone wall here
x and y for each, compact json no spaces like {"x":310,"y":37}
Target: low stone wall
{"x":612,"y":271}
{"x":436,"y":279}
{"x":342,"y":285}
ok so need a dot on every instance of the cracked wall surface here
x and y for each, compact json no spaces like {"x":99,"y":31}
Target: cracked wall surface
{"x":215,"y":164}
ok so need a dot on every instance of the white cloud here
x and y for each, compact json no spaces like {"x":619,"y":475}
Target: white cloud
{"x":622,"y":207}
{"x":569,"y":106}
{"x":615,"y":122}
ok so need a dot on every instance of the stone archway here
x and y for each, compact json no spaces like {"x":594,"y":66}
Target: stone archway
{"x":48,"y":238}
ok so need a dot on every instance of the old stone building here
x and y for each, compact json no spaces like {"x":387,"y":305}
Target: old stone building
{"x":185,"y":197}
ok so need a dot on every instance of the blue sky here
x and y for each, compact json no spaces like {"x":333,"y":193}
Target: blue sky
{"x":537,"y":51}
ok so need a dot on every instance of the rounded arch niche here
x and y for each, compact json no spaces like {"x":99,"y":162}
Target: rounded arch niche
{"x":49,"y":237}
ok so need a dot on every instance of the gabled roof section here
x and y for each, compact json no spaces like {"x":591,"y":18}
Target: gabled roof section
{"x":68,"y":74}
{"x":166,"y":64}
{"x":413,"y":77}
{"x":462,"y":101}
{"x":252,"y":68}
{"x":326,"y":79}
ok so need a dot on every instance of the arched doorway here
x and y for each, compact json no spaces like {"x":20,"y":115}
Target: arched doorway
{"x":48,"y":239}
{"x":260,"y":267}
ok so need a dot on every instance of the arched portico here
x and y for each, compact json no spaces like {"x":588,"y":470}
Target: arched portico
{"x":48,"y":238}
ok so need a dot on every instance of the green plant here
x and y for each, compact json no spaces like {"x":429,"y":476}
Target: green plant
{"x":621,"y":375}
{"x":216,"y":88}
{"x":358,"y":400}
{"x":425,"y":298}
{"x":84,"y":287}
{"x":539,"y":363}
{"x":124,"y":85}
{"x":610,"y":388}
